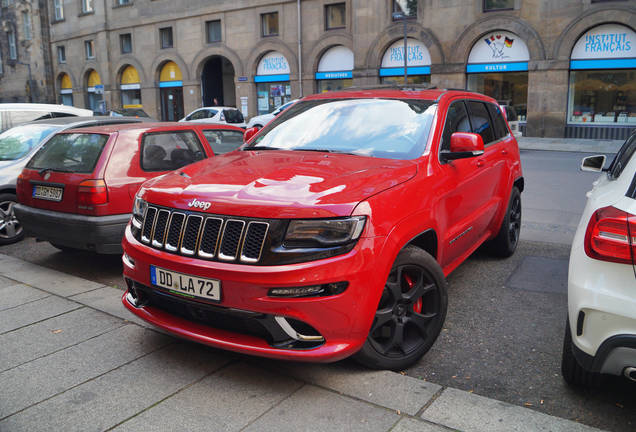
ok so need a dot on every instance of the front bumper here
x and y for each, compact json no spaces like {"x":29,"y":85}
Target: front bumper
{"x":343,"y":320}
{"x":101,"y":234}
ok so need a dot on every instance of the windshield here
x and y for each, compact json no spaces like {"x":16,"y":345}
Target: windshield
{"x":17,"y":142}
{"x":76,"y":153}
{"x":383,"y":128}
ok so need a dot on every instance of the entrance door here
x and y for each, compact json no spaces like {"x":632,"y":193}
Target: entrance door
{"x":217,"y":82}
{"x":171,"y":103}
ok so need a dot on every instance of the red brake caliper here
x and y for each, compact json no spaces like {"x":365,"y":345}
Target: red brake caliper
{"x":417,"y":306}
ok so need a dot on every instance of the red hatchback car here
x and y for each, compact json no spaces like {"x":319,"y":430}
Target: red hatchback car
{"x":331,"y":232}
{"x":77,"y":191}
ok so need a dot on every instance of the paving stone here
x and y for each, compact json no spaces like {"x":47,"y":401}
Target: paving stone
{"x":35,"y":381}
{"x":540,"y":274}
{"x":51,"y":281}
{"x":110,"y":399}
{"x":315,"y":409}
{"x":6,"y":282}
{"x":16,"y":294}
{"x":108,"y":300}
{"x":54,"y":334}
{"x":468,"y":412}
{"x":35,"y":311}
{"x":411,"y":425}
{"x":226,"y":401}
{"x":384,"y":388}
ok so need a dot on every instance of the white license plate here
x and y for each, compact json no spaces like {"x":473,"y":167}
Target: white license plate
{"x":50,"y":193}
{"x":186,"y":285}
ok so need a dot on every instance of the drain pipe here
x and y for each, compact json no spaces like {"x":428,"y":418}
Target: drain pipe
{"x":300,"y":50}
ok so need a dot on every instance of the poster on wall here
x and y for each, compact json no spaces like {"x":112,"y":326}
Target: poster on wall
{"x":263,"y":103}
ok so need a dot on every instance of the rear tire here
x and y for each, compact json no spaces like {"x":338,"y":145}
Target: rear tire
{"x":571,"y":370}
{"x":505,"y":244}
{"x":10,"y":228}
{"x":410,"y":313}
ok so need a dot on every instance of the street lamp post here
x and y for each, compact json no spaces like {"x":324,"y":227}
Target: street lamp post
{"x":402,"y":16}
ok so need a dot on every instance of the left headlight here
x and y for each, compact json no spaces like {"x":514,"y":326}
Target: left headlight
{"x":138,"y":212}
{"x":323,"y":232}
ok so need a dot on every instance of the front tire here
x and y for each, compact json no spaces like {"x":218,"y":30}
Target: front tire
{"x":505,"y":244}
{"x":10,"y":228}
{"x":410,"y":313}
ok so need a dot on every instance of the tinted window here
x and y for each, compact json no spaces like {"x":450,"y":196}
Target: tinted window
{"x":500,"y":127}
{"x":233,"y":116}
{"x":76,"y":153}
{"x":223,"y":141}
{"x":622,"y":157}
{"x":383,"y":128}
{"x":480,"y":120}
{"x":202,"y":114}
{"x":167,"y":151}
{"x":18,"y":141}
{"x":456,"y":121}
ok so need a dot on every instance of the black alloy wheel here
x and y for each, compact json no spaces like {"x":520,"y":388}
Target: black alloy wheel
{"x":10,"y":227}
{"x":514,"y":219}
{"x":410,"y":313}
{"x":505,"y":244}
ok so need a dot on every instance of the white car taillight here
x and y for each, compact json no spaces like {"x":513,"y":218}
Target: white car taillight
{"x":611,"y":236}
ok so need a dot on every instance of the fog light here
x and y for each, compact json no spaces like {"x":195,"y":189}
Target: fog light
{"x":323,"y":290}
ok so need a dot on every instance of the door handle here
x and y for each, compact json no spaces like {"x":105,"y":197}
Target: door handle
{"x":480,"y":162}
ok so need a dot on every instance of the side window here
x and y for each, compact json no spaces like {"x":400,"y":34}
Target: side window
{"x":198,"y":115}
{"x":500,"y":127}
{"x":223,"y":141}
{"x":456,"y":121}
{"x":167,"y":151}
{"x":622,"y":157}
{"x":480,"y":119}
{"x":211,"y":113}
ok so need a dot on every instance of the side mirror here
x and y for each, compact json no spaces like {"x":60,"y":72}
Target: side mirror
{"x":249,"y":133}
{"x":593,"y":163}
{"x":463,"y":145}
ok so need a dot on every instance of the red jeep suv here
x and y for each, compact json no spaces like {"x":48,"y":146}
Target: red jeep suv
{"x":331,"y":231}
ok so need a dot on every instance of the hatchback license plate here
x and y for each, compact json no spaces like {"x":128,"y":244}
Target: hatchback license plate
{"x":49,"y":193}
{"x":186,"y":285}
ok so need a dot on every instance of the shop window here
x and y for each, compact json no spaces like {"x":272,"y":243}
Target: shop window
{"x":26,"y":25}
{"x":89,"y":48}
{"x":407,"y":8}
{"x":213,"y":31}
{"x":125,"y":43}
{"x":456,"y":121}
{"x":165,"y":36}
{"x":13,"y":51}
{"x":61,"y":54}
{"x":410,"y":79}
{"x":493,"y":5}
{"x":58,"y":6}
{"x":123,"y":2}
{"x":602,"y":97}
{"x":131,"y":98}
{"x":87,"y":6}
{"x":335,"y":17}
{"x":269,"y":24}
{"x":271,"y":95}
{"x":480,"y":120}
{"x":328,"y":85}
{"x":508,"y":88}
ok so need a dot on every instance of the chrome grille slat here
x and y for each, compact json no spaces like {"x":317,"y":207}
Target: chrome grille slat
{"x":208,"y":237}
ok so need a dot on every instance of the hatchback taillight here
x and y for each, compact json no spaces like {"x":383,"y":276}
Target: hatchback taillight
{"x":91,"y":193}
{"x":610,"y":236}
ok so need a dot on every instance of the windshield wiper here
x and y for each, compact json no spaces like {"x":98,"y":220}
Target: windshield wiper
{"x":261,"y":148}
{"x":324,"y":151}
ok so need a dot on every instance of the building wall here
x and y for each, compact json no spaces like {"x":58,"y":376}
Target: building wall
{"x":448,"y":28}
{"x":14,"y":78}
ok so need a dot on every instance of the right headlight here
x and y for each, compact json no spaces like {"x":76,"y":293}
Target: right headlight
{"x":311,"y":233}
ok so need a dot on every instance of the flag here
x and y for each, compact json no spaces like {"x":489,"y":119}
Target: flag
{"x":487,"y":41}
{"x":508,"y":42}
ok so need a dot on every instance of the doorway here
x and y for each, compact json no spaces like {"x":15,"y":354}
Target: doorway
{"x":217,"y":81}
{"x":172,"y":103}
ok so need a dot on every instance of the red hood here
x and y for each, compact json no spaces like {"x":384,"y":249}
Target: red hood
{"x":279,"y":184}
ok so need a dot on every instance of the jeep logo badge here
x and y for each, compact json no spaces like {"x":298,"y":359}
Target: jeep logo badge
{"x":203,"y":205}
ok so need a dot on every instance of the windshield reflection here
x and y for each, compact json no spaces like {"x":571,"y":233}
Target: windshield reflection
{"x":18,"y":141}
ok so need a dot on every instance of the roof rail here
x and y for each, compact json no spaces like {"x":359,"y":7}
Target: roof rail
{"x":407,"y":87}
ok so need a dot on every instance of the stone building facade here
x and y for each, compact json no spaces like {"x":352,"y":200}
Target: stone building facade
{"x":567,"y":66}
{"x":26,"y":71}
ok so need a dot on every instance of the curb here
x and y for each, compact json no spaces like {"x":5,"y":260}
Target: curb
{"x":569,"y":145}
{"x":408,"y":403}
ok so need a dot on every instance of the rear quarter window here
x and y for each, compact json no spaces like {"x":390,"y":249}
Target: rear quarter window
{"x":499,"y":124}
{"x":167,"y":151}
{"x":233,"y":116}
{"x":223,"y":141}
{"x":76,"y":153}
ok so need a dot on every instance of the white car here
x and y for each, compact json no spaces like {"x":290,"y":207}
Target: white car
{"x":15,"y":114}
{"x":218,"y":115}
{"x":262,"y":120}
{"x":600,"y":336}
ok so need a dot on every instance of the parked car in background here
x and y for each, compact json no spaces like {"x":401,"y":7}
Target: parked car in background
{"x":600,"y":334}
{"x":262,"y":120}
{"x":15,"y":114}
{"x":76,"y":192}
{"x":218,"y":115}
{"x":17,"y":145}
{"x":332,"y":231}
{"x":127,"y":112}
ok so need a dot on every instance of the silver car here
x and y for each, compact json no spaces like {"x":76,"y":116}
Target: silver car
{"x":17,"y":145}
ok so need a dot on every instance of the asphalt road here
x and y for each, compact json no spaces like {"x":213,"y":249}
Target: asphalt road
{"x":504,"y":330}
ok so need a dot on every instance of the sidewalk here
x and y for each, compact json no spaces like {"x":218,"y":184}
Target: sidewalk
{"x":570,"y":144}
{"x":73,"y":358}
